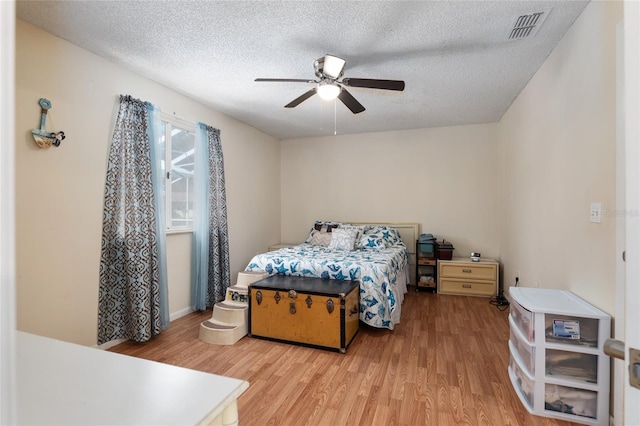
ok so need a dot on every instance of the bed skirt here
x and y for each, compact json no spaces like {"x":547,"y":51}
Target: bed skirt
{"x":401,"y":287}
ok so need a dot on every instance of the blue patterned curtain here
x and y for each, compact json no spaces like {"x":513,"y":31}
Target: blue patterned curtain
{"x":155,"y":131}
{"x":129,"y":299}
{"x":210,"y":274}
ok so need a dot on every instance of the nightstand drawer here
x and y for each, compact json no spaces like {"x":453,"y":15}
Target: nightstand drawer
{"x":468,"y":270}
{"x":460,"y":286}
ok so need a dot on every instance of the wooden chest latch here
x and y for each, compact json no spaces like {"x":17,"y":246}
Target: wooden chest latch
{"x":292,"y":305}
{"x":293,"y":295}
{"x":330,"y":305}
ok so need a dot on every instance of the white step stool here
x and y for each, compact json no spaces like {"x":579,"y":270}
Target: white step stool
{"x":228,"y":324}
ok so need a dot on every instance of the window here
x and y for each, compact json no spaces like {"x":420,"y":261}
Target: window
{"x":177,"y":143}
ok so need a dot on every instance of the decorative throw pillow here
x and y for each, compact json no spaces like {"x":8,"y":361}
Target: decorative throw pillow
{"x":389,"y":235}
{"x":372,"y":242}
{"x":343,"y":239}
{"x":326,"y":226}
{"x":321,"y":239}
{"x":358,"y":229}
{"x":311,"y":233}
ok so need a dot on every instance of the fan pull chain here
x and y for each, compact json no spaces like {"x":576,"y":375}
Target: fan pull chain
{"x":335,"y":132}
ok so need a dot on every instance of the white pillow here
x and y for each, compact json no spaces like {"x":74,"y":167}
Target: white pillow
{"x":343,"y":239}
{"x":321,"y":238}
{"x":359,"y":229}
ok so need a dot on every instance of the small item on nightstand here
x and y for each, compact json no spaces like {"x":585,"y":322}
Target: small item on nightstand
{"x":475,"y":257}
{"x":445,"y":250}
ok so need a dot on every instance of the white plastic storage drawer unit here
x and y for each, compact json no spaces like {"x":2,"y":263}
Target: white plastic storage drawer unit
{"x":523,"y":319}
{"x":558,"y":367}
{"x":525,"y":349}
{"x":522,"y":382}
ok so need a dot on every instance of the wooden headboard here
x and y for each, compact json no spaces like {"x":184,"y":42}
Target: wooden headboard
{"x":409,"y":232}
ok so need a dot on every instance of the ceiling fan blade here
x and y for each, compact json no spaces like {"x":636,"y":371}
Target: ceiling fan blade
{"x":297,"y":101}
{"x":351,"y":102}
{"x":371,"y":83}
{"x":293,"y":80}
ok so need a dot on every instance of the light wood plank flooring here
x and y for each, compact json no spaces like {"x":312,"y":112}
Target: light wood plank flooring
{"x":444,"y":364}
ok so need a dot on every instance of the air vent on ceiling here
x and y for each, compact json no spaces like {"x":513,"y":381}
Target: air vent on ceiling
{"x":528,"y":25}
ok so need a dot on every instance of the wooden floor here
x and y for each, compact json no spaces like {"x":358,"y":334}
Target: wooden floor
{"x":444,"y":364}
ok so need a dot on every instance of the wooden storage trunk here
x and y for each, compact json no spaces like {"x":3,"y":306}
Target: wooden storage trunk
{"x":313,"y":312}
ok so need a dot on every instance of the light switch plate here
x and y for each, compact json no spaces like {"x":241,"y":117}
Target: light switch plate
{"x":634,"y":367}
{"x":595,"y":214}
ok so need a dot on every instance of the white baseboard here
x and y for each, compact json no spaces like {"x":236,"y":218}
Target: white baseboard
{"x":111,"y":344}
{"x":181,"y":313}
{"x":174,"y":316}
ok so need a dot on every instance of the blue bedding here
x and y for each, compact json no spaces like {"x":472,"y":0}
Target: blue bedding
{"x":381,"y":272}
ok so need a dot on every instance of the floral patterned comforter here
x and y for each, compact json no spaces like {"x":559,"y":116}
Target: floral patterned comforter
{"x":380,"y":272}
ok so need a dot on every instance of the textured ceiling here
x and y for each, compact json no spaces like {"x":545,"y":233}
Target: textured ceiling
{"x":455,"y":56}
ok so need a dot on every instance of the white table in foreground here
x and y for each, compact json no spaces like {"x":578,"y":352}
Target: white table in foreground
{"x":64,"y":383}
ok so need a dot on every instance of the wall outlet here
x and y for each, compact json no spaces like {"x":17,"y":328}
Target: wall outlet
{"x":595,"y":214}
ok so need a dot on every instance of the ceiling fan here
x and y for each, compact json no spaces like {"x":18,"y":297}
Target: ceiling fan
{"x":329,"y":69}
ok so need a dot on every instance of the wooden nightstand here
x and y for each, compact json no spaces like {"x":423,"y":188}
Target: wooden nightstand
{"x":462,"y":276}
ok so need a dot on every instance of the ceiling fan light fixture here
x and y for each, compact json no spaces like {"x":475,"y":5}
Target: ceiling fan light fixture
{"x":328,"y":91}
{"x":328,"y":86}
{"x":332,"y":66}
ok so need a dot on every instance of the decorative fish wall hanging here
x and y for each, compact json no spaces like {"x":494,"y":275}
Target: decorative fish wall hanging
{"x":43,"y":138}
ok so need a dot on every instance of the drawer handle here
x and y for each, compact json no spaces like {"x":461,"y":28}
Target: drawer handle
{"x":466,"y":285}
{"x":468,"y":270}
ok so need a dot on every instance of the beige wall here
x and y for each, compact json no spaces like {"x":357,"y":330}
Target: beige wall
{"x":518,"y":190}
{"x":558,"y":154}
{"x":444,"y":178}
{"x":59,"y":191}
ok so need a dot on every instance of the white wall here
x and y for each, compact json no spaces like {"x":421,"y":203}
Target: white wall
{"x":444,"y":178}
{"x":59,"y":191}
{"x":7,"y":217}
{"x":558,"y":154}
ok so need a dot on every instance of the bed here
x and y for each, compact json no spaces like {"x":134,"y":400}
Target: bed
{"x":380,"y":256}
